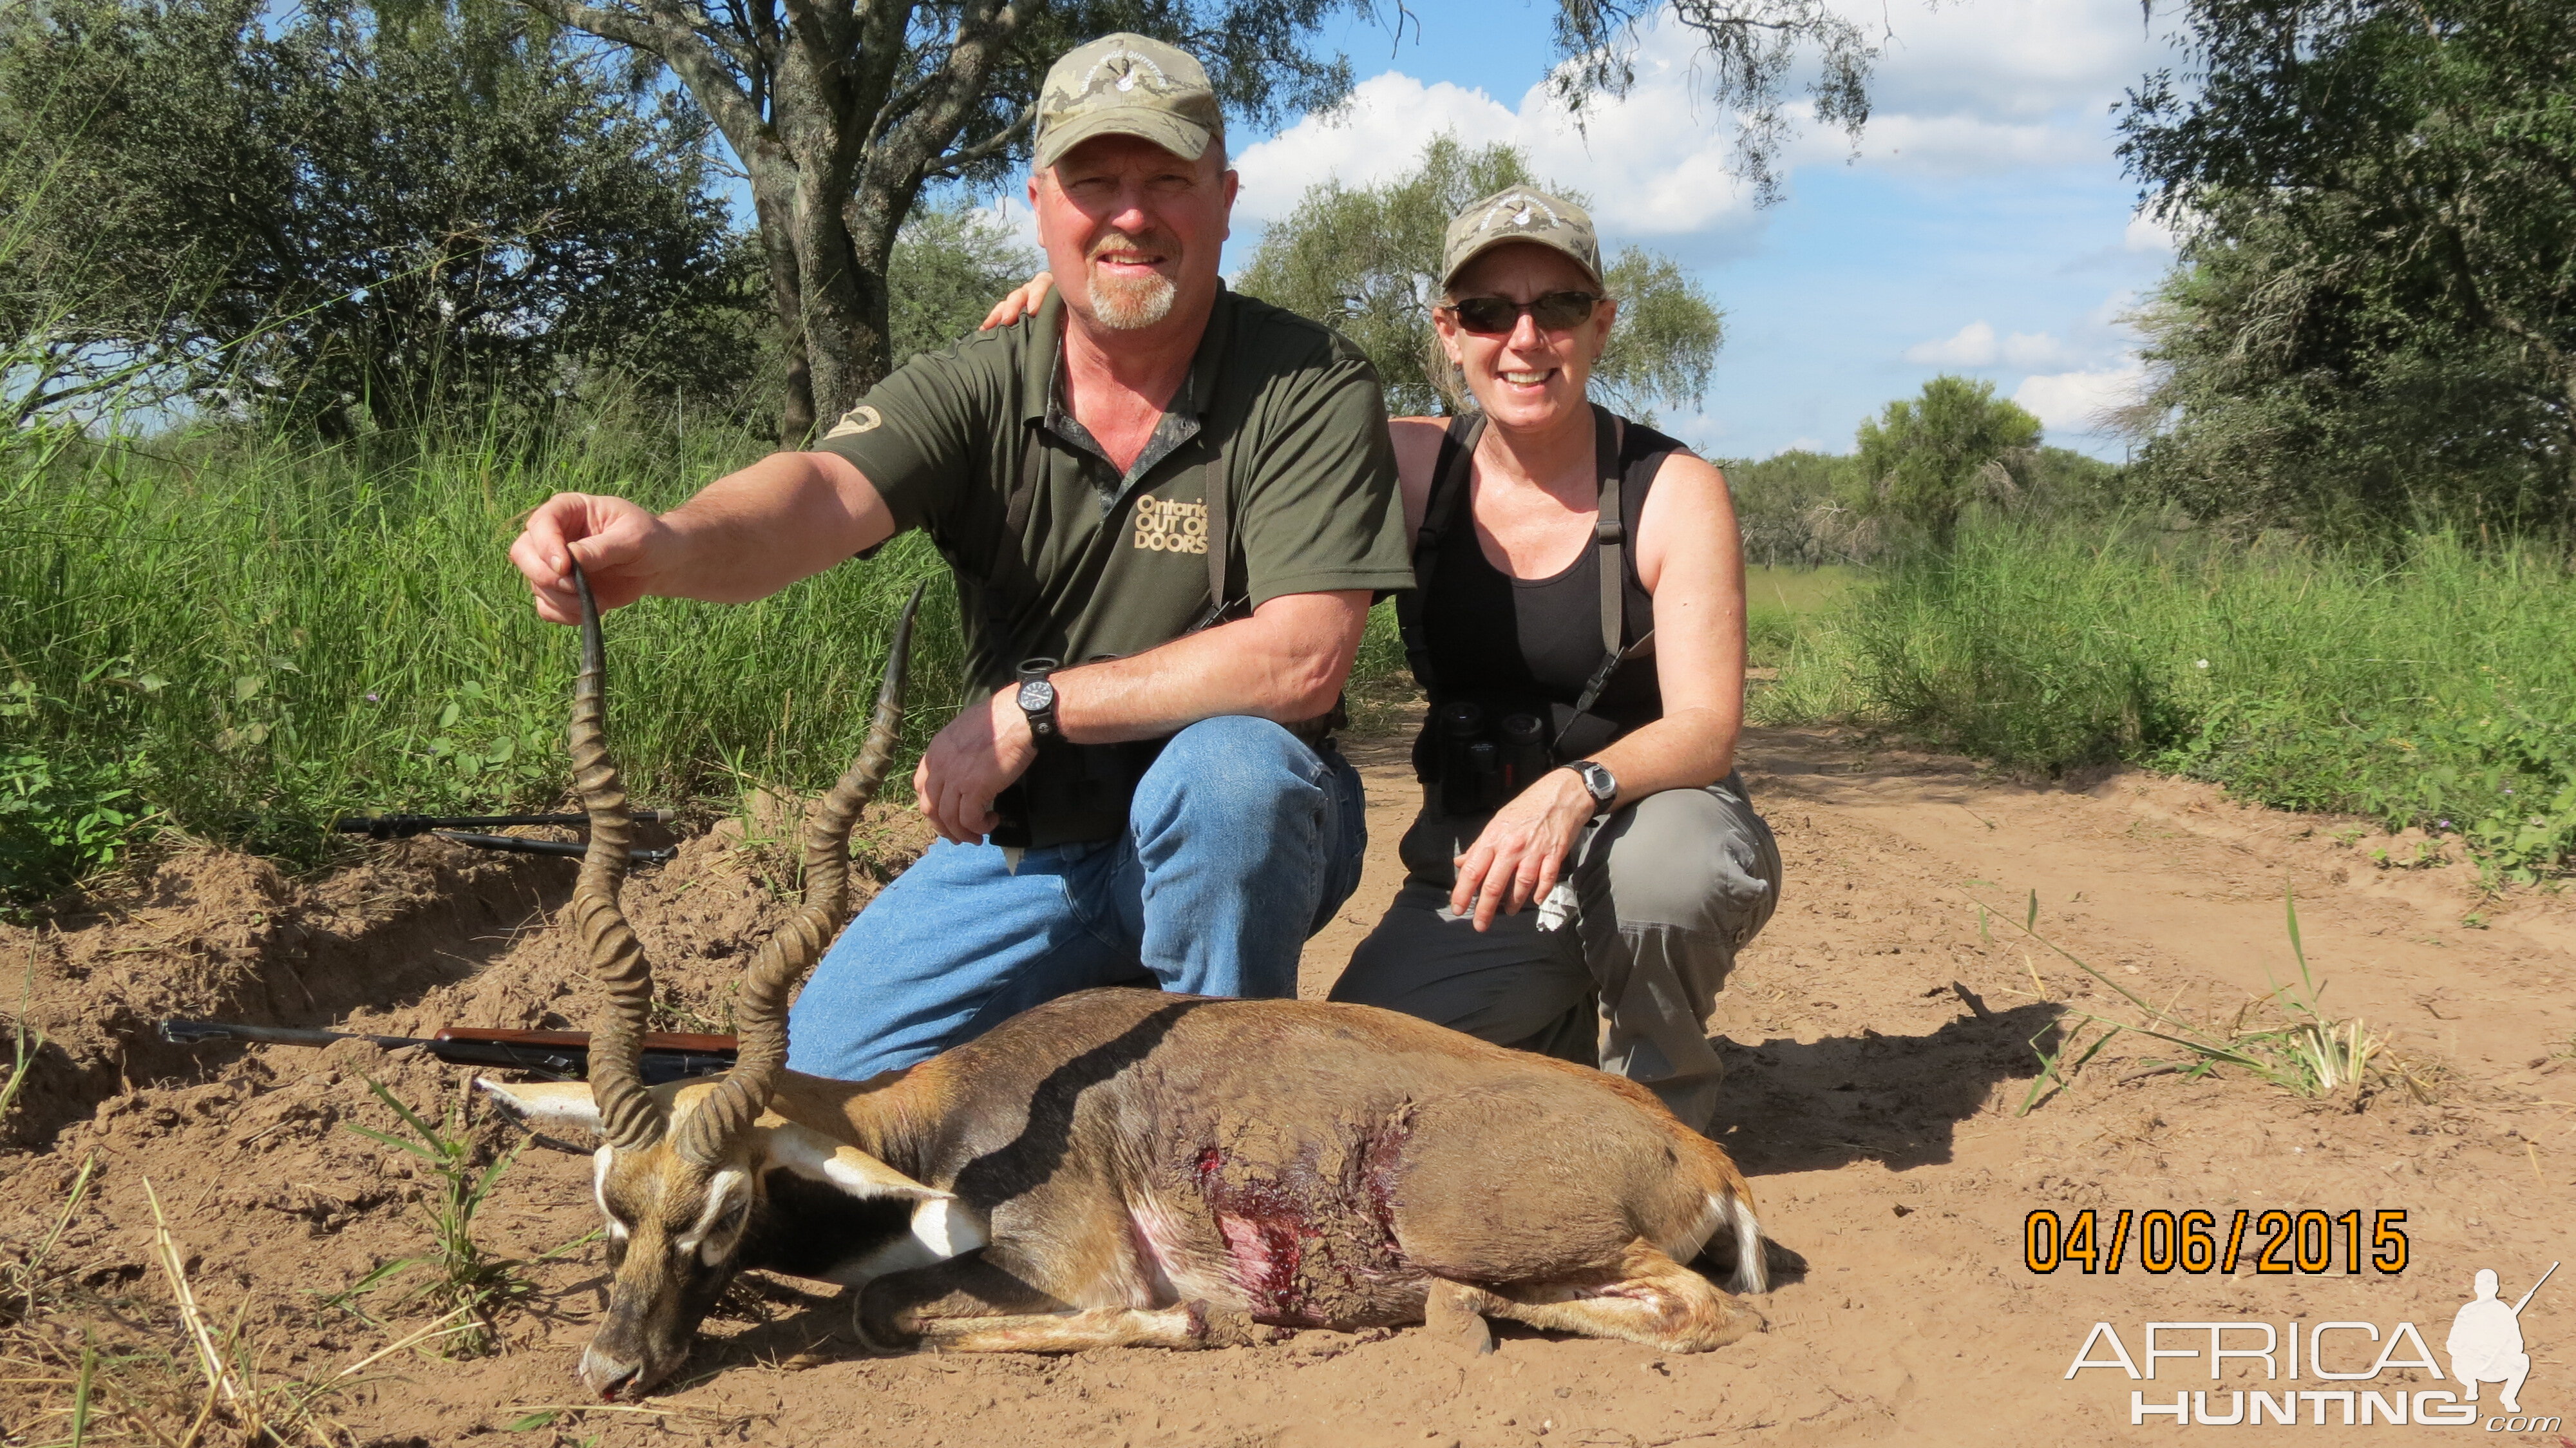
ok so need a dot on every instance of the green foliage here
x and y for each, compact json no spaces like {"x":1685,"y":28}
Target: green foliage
{"x":1790,"y":507}
{"x":1924,"y":460}
{"x":1366,"y":260}
{"x":340,"y":217}
{"x":252,"y":637}
{"x":58,"y":823}
{"x":2426,"y":692}
{"x":2375,"y":317}
{"x":950,"y":264}
{"x":461,"y":1279}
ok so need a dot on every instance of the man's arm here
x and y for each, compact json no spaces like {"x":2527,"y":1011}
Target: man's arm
{"x":744,"y":536}
{"x":1287,"y":662}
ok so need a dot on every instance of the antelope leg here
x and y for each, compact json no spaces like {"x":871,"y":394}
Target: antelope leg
{"x":1645,"y":1297}
{"x":971,"y":1304}
{"x":1456,"y":1312}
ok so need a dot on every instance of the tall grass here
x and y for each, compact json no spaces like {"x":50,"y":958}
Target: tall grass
{"x":2434,"y":688}
{"x":242,"y":639}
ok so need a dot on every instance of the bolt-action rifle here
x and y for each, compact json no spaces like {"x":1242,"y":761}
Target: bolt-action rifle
{"x":463,"y":828}
{"x":556,"y":1055}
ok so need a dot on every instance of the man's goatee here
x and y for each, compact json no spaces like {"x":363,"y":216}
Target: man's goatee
{"x":1124,"y":304}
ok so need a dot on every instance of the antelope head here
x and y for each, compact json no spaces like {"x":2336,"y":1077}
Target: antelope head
{"x":685,"y":1170}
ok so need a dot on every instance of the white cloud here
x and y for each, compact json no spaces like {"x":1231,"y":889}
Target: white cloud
{"x":1654,"y":162}
{"x":1971,"y":346}
{"x":2005,"y":59}
{"x":1956,"y":145}
{"x":2145,"y":233}
{"x":1976,"y":345}
{"x":2074,"y":402}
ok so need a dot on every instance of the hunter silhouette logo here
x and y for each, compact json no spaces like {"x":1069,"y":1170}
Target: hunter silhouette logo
{"x":2485,"y":1344}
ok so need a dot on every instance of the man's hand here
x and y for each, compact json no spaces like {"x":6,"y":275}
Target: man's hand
{"x":621,"y":548}
{"x":981,"y":753}
{"x":1518,"y":855}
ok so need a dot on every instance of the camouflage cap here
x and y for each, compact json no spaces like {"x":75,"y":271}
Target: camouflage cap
{"x":1520,"y":213}
{"x":1127,"y":85}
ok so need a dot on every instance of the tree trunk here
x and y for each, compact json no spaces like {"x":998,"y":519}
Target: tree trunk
{"x":796,"y":408}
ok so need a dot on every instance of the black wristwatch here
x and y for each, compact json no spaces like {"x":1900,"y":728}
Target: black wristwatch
{"x":1598,"y":783}
{"x":1037,"y":700}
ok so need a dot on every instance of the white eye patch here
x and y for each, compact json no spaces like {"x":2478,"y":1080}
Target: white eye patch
{"x":599,"y":1191}
{"x":728,"y":1189}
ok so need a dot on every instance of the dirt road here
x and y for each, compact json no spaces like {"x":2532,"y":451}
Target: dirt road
{"x":1879,"y":1043}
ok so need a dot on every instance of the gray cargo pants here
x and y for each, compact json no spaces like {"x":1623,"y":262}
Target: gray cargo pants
{"x":1668,"y":890}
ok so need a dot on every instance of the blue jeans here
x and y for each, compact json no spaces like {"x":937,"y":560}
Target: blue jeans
{"x":1240,"y":843}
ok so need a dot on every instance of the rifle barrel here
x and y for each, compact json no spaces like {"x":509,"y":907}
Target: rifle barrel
{"x":559,"y":1055}
{"x":512,"y":844}
{"x":405,"y":826}
{"x":2534,"y":1292}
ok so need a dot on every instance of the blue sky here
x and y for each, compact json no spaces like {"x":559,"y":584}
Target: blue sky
{"x":1983,"y":227}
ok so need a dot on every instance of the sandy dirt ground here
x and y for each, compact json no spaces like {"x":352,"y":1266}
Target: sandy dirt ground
{"x":1879,"y":1038}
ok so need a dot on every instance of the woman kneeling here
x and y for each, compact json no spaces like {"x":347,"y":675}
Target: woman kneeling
{"x":1579,"y":596}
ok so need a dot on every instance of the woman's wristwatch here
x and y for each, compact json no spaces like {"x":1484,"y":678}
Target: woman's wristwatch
{"x":1598,"y":783}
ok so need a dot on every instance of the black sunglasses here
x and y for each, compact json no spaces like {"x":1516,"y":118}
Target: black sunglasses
{"x":1496,"y":316}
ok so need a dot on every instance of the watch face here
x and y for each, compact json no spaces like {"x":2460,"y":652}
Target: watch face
{"x":1037,"y":695}
{"x":1597,"y":779}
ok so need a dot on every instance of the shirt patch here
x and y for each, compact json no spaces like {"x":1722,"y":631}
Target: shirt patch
{"x":859,"y":420}
{"x":1164,"y":526}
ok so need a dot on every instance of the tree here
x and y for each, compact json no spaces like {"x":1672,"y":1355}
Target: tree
{"x":2290,"y":389}
{"x":1747,"y":49}
{"x":1367,"y":261}
{"x":331,"y":216}
{"x":949,"y":263}
{"x":1926,"y":459}
{"x":2384,"y":197}
{"x":842,"y":111}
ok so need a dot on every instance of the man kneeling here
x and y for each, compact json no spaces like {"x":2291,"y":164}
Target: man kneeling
{"x":1166,"y":507}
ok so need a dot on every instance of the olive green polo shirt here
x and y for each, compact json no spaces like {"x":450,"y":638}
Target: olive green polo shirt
{"x":1105,"y":564}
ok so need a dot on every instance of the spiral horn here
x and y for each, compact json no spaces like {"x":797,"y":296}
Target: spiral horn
{"x":760,"y":1021}
{"x":629,"y":1117}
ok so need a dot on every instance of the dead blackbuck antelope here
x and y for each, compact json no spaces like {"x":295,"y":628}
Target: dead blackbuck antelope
{"x":1121,"y":1166}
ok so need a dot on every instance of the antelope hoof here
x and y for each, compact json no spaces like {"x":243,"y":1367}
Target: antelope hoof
{"x":1449,"y":1319}
{"x":1213,"y":1326}
{"x":1741,"y":1320}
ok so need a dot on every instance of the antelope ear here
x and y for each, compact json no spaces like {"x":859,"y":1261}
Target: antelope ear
{"x":548,"y":1106}
{"x":816,"y":1157}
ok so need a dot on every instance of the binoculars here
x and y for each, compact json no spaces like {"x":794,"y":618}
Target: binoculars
{"x":1486,"y":758}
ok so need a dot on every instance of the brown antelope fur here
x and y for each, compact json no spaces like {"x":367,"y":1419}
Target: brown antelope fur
{"x":1130,"y":1167}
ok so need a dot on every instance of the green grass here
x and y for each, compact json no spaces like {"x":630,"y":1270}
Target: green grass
{"x":242,"y":641}
{"x":2430,"y":690}
{"x":1778,"y":600}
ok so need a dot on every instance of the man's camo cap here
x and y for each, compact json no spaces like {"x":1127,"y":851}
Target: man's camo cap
{"x":1127,"y":85}
{"x":1520,"y":213}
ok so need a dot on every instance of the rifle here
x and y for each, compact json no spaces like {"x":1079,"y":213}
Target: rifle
{"x":555,"y":1055}
{"x":460,"y":828}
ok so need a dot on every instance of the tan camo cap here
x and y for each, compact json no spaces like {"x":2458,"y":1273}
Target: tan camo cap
{"x":1127,"y":85}
{"x":1520,"y":213}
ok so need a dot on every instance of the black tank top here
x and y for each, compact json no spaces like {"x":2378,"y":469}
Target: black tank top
{"x":1514,"y":643}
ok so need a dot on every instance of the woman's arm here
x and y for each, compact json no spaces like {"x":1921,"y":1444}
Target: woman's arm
{"x":1024,"y":302}
{"x":1692,"y":563}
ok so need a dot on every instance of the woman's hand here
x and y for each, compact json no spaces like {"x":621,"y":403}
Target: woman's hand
{"x":1522,"y":849}
{"x":1021,"y":303}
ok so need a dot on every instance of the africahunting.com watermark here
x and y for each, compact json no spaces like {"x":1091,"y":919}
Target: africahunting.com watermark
{"x":2484,"y":1362}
